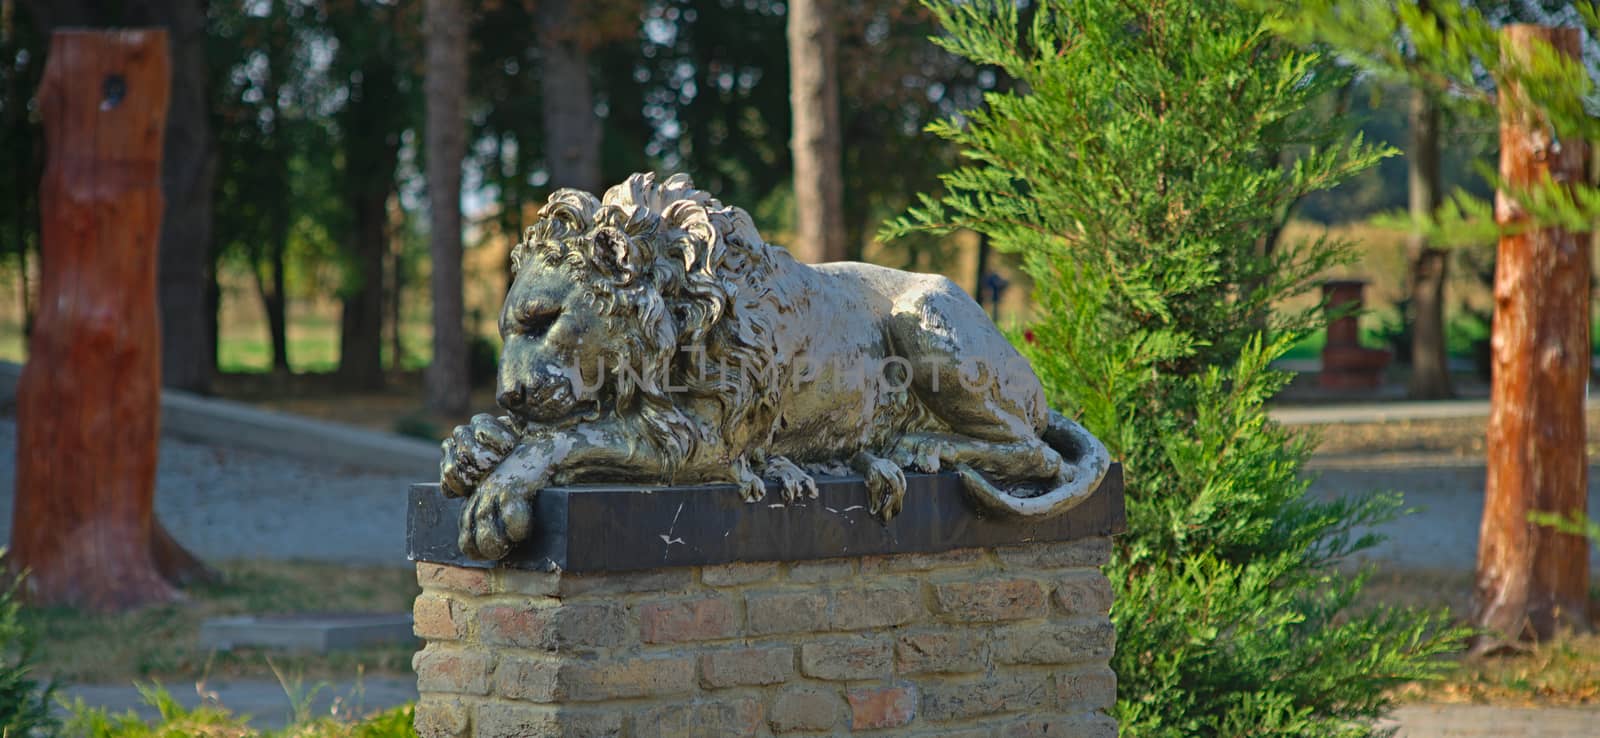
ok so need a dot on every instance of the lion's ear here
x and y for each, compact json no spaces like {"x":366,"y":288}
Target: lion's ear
{"x":615,"y":255}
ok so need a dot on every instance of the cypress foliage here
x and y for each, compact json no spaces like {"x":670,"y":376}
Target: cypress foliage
{"x":1142,"y":166}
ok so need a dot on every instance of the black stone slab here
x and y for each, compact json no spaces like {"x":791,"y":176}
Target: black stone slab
{"x":595,"y":528}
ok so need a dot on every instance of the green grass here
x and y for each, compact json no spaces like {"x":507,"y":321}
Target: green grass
{"x":216,"y":721}
{"x":162,"y":642}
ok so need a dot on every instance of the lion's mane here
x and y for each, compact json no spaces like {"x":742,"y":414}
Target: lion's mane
{"x":670,"y":268}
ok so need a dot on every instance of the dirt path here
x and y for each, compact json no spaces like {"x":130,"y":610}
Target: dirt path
{"x":232,"y":504}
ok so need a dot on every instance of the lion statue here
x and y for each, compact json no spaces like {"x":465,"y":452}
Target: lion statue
{"x":652,"y":336}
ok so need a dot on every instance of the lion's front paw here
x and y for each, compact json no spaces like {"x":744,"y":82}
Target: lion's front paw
{"x":497,"y":517}
{"x":472,"y":452}
{"x":796,"y":483}
{"x":751,"y":486}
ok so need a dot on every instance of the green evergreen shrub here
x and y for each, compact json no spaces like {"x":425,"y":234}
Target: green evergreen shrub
{"x":24,"y":700}
{"x":1142,"y":167}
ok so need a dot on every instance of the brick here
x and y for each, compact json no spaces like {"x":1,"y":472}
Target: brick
{"x":825,"y":570}
{"x":882,"y":707}
{"x":944,"y":651}
{"x":523,"y":581}
{"x":860,"y":609}
{"x":845,"y":659}
{"x":586,"y":681}
{"x":565,"y":628}
{"x":1087,"y":689}
{"x":805,"y":708}
{"x":1055,"y":642}
{"x":1068,"y":726}
{"x":989,"y":600}
{"x":1083,"y":593}
{"x":956,"y":733}
{"x":439,"y":618}
{"x":660,"y":581}
{"x":437,"y":717}
{"x":528,"y":679}
{"x":511,"y":720}
{"x":960,"y":557}
{"x":677,"y":621}
{"x":451,"y":670}
{"x":742,"y":717}
{"x":1082,"y":553}
{"x":967,"y":699}
{"x":733,"y":575}
{"x":746,"y":666}
{"x":785,"y":612}
{"x":476,"y":582}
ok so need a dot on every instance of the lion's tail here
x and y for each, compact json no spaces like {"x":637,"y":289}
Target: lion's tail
{"x":1084,"y":461}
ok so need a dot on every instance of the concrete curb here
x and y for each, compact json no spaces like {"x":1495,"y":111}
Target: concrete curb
{"x":190,"y":417}
{"x":1379,"y":412}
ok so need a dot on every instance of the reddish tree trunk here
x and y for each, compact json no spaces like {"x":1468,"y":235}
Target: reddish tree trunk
{"x":88,"y":404}
{"x":814,"y":105}
{"x":1532,"y":580}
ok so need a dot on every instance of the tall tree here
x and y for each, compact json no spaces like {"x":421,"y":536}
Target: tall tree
{"x":187,"y":173}
{"x":380,"y":104}
{"x":571,"y":127}
{"x":446,"y":93}
{"x":814,"y":103}
{"x":1139,"y":201}
{"x":89,"y":399}
{"x":1532,"y":580}
{"x":260,"y":133}
{"x":1428,"y":264}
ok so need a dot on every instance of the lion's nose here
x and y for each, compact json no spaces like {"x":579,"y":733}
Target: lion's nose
{"x":514,"y":398}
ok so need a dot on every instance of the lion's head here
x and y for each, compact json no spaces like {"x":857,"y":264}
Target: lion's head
{"x":636,"y":304}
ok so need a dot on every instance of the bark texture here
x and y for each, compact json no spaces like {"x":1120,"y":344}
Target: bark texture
{"x":571,"y":128}
{"x":1532,"y":580}
{"x":89,"y":400}
{"x":446,"y":89}
{"x":814,"y":104}
{"x":188,"y":172}
{"x":1430,"y":374}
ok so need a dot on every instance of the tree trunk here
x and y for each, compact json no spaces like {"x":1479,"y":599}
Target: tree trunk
{"x":571,"y":128}
{"x":271,"y":288}
{"x":89,"y":400}
{"x":448,"y":385}
{"x":1430,"y":373}
{"x":187,"y":174}
{"x":1532,"y":580}
{"x":361,"y":322}
{"x":814,"y":105}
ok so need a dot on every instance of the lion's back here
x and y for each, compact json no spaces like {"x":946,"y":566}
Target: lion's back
{"x":885,"y":282}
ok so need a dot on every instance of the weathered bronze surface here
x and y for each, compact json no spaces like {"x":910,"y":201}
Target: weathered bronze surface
{"x":652,"y":336}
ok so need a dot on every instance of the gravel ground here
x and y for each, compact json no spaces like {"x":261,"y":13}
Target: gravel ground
{"x":1447,"y":495}
{"x":227,"y":503}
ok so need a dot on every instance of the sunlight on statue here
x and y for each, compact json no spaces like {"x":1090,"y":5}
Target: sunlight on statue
{"x":652,"y":336}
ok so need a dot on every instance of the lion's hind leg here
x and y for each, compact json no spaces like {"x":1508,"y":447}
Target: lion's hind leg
{"x":886,"y":484}
{"x":796,"y":483}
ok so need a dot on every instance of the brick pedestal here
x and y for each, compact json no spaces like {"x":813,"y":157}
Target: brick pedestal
{"x":994,"y":640}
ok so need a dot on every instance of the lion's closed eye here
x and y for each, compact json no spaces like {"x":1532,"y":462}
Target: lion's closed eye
{"x":534,"y":323}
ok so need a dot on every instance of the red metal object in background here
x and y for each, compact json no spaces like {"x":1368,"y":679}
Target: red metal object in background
{"x":1346,"y":364}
